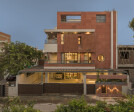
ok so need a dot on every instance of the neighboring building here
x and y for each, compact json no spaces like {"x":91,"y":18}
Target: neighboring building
{"x":80,"y":57}
{"x":126,"y":61}
{"x":3,"y":38}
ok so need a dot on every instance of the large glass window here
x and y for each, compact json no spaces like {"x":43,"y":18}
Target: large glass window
{"x":67,"y":77}
{"x":87,"y":58}
{"x":70,"y":57}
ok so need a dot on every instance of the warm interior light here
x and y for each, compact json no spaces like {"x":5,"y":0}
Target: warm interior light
{"x":87,"y":32}
{"x":111,"y":90}
{"x":75,"y":32}
{"x":98,"y":88}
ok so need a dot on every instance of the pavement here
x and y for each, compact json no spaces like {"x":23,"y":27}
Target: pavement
{"x":49,"y":107}
{"x":46,"y":107}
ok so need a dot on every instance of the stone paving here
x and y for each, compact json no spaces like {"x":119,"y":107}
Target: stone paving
{"x":46,"y":107}
{"x":49,"y":107}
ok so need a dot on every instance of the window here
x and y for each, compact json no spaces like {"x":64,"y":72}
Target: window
{"x":72,"y":75}
{"x":70,"y":18}
{"x":62,"y":38}
{"x":70,"y":57}
{"x":124,"y":55}
{"x":79,"y":40}
{"x":101,"y":58}
{"x":87,"y":58}
{"x":103,"y":88}
{"x":100,"y":18}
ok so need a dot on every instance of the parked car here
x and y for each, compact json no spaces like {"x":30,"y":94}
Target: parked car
{"x":11,"y":78}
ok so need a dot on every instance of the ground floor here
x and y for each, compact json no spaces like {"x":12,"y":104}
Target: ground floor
{"x":102,"y":83}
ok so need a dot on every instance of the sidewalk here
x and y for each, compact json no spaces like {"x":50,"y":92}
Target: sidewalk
{"x":46,"y":107}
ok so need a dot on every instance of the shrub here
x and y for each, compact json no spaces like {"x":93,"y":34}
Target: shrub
{"x":16,"y":105}
{"x":81,"y":106}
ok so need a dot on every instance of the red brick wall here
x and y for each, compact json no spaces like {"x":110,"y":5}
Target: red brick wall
{"x":4,"y":37}
{"x":99,"y":42}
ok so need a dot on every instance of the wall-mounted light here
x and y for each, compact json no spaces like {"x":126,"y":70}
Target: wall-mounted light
{"x":87,"y":33}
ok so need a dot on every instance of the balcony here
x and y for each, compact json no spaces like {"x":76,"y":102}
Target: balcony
{"x":50,"y":45}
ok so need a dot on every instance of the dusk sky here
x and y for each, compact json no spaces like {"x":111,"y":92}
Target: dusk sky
{"x":25,"y":20}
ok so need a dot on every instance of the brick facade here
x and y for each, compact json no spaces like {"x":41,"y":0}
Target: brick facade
{"x":97,"y":43}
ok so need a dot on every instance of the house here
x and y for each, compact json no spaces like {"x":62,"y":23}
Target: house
{"x":80,"y":57}
{"x":3,"y":39}
{"x":126,"y":63}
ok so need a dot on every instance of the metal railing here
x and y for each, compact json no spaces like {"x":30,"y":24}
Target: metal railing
{"x":69,"y":62}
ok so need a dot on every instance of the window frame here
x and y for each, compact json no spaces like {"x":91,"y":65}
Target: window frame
{"x":100,"y":19}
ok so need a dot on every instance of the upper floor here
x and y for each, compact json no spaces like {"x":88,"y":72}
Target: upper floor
{"x":125,"y":55}
{"x":84,"y":32}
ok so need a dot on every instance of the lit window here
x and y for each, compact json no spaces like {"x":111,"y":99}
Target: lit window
{"x":87,"y":58}
{"x":62,"y":38}
{"x":100,"y":58}
{"x":79,"y":40}
{"x":100,"y":18}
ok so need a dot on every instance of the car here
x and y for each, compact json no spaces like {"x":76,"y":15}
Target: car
{"x":11,"y":78}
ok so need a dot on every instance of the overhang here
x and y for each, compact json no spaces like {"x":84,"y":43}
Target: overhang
{"x":68,"y":30}
{"x":62,"y":69}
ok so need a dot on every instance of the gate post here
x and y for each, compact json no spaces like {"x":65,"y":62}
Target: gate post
{"x":84,"y":84}
{"x":46,"y":77}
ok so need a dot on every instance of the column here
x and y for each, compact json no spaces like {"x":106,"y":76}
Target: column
{"x":46,"y":77}
{"x":84,"y":84}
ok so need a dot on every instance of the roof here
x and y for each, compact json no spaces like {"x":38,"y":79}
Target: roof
{"x":69,"y":30}
{"x":42,"y":69}
{"x":122,"y":46}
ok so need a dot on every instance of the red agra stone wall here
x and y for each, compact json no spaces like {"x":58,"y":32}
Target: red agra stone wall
{"x":109,"y":92}
{"x":99,"y":42}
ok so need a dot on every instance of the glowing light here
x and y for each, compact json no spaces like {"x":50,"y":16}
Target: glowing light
{"x":87,"y":33}
{"x":108,"y":88}
{"x":111,"y":90}
{"x":99,"y":88}
{"x":75,"y":32}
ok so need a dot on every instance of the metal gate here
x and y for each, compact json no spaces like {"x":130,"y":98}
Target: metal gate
{"x":2,"y":90}
{"x":91,"y":89}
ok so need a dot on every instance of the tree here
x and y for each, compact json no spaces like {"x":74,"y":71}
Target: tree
{"x":131,"y":24}
{"x":17,"y":56}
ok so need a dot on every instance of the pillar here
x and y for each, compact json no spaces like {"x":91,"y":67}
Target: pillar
{"x":84,"y":84}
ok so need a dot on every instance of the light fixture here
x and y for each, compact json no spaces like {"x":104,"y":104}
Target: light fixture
{"x":87,"y":33}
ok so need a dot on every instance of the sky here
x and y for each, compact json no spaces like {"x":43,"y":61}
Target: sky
{"x":25,"y":20}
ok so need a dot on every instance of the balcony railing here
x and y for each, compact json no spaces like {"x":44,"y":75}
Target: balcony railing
{"x":68,"y":62}
{"x":50,"y":41}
